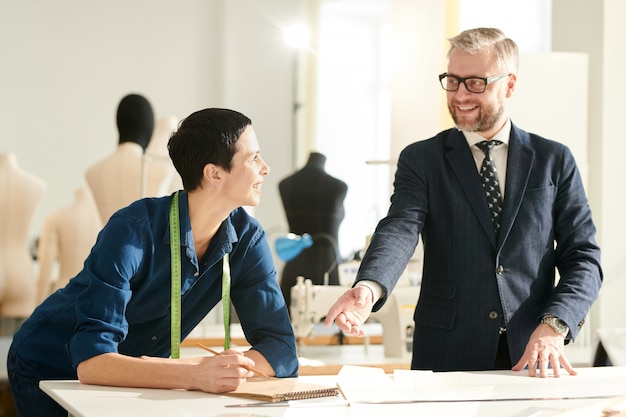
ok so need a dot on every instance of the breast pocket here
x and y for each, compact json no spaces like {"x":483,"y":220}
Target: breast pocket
{"x":536,"y":215}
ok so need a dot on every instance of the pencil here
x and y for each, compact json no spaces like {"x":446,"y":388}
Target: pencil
{"x":249,"y":368}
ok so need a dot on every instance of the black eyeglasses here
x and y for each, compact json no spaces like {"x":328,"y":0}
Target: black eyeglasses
{"x":472,"y":84}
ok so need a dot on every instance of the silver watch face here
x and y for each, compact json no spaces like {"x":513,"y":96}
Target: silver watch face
{"x":557,"y":324}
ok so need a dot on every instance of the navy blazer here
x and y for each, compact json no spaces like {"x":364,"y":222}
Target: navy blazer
{"x":473,"y":282}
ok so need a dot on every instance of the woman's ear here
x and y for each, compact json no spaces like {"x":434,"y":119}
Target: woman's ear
{"x":212,"y":174}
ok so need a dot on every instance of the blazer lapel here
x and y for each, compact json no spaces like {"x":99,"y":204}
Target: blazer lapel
{"x":519,"y":164}
{"x":460,"y":158}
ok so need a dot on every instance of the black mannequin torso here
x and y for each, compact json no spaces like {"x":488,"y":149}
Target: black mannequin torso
{"x":313,"y":203}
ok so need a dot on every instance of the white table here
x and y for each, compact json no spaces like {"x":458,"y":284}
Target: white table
{"x":97,"y":401}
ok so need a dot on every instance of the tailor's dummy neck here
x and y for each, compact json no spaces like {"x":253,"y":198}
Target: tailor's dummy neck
{"x":82,"y":194}
{"x":8,"y":158}
{"x":316,"y":160}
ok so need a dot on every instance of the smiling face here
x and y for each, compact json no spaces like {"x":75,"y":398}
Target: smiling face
{"x":243,"y":183}
{"x":483,"y":113}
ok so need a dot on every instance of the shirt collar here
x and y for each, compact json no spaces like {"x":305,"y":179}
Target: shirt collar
{"x":226,"y":234}
{"x":502,"y":135}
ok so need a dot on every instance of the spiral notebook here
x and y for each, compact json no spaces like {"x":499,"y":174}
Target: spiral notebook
{"x":281,"y":389}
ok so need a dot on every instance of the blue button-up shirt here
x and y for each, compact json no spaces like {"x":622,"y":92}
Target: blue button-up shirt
{"x":120,"y":301}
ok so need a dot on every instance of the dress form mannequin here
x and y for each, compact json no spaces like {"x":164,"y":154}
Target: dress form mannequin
{"x":313,"y":203}
{"x":118,"y":180}
{"x":20,"y":192}
{"x":157,"y":160}
{"x":66,"y":238}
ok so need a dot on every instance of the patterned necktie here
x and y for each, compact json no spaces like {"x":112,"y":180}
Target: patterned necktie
{"x":490,"y":182}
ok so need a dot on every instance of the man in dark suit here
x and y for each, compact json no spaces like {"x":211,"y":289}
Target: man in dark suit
{"x":490,"y":297}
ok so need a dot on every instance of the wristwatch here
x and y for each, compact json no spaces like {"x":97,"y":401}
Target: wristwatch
{"x":557,"y":324}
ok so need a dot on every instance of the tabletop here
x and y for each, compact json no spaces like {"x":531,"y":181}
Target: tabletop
{"x":510,"y":394}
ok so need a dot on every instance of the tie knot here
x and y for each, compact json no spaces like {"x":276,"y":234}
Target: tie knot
{"x":487,"y":145}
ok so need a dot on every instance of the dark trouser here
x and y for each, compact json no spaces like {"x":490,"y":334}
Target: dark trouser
{"x":503,"y":358}
{"x":29,"y":400}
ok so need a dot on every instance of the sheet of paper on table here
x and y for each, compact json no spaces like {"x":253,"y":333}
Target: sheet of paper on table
{"x":372,"y":385}
{"x":365,"y":385}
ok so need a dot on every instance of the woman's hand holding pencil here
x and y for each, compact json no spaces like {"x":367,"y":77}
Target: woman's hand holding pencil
{"x":249,"y":368}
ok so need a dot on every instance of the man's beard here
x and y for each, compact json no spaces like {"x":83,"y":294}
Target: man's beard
{"x":487,"y":118}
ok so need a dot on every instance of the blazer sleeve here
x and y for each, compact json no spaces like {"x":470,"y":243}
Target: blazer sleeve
{"x":577,"y":253}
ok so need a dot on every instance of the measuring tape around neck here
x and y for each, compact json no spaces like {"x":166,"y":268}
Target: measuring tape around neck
{"x":176,"y":280}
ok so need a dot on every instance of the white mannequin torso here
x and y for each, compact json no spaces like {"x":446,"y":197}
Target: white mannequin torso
{"x":118,"y":180}
{"x":67,"y":237}
{"x":158,"y":175}
{"x":20,"y":192}
{"x":158,"y":160}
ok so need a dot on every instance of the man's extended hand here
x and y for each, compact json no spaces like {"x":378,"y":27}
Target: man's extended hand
{"x":544,"y":347}
{"x":351,"y":310}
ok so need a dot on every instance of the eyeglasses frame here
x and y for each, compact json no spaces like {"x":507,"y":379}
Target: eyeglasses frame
{"x":487,"y":80}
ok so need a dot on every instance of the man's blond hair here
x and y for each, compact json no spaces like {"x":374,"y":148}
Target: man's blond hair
{"x":480,"y":39}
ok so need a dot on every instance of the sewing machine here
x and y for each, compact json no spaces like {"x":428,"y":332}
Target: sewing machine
{"x":310,"y":303}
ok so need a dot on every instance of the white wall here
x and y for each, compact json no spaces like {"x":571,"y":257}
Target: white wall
{"x":257,"y":80}
{"x":66,"y":64}
{"x":419,"y":36}
{"x":532,"y":106}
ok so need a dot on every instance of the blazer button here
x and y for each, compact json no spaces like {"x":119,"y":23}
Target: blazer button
{"x":500,"y":269}
{"x":493,"y":315}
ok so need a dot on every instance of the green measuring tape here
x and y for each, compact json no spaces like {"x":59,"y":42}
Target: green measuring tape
{"x":226,"y":300}
{"x":175,"y":293}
